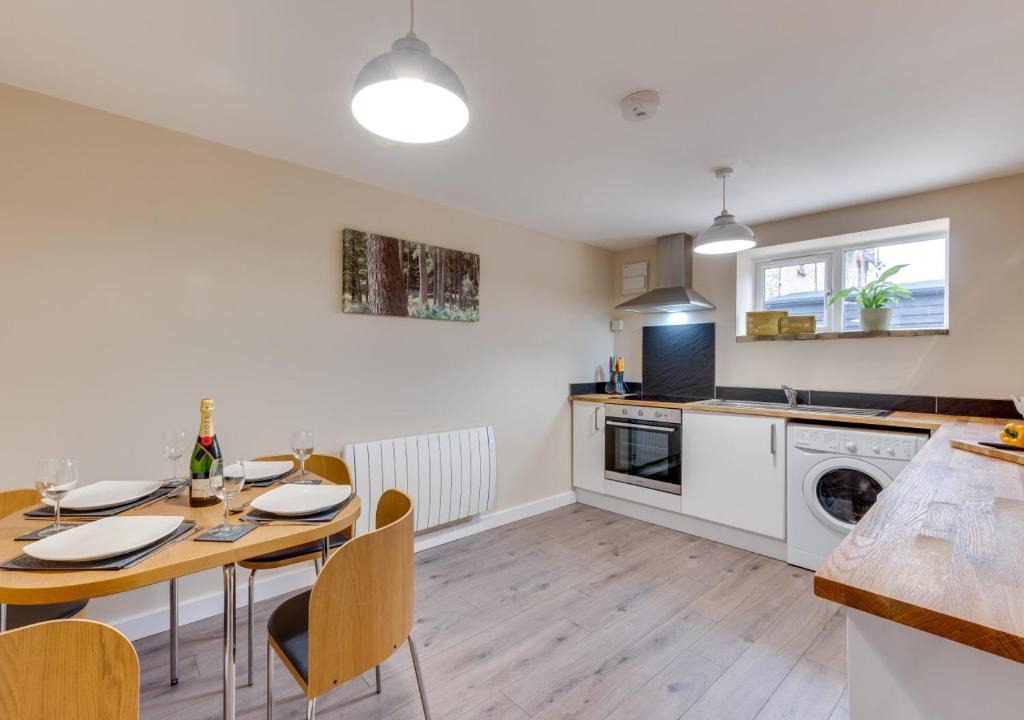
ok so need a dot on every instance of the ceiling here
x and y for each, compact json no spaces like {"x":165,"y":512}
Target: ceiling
{"x":816,"y":104}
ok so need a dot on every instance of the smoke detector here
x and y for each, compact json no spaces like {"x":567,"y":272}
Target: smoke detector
{"x":640,"y":105}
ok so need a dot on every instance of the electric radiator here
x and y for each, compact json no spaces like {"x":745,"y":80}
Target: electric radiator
{"x":448,"y":475}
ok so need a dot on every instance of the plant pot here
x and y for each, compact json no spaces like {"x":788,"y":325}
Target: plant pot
{"x":875,"y":319}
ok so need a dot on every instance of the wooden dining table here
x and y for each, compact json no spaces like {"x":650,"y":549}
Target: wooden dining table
{"x":37,"y":587}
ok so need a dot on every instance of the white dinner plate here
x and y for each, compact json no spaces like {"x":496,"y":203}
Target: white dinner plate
{"x":105,"y":494}
{"x":104,"y":538}
{"x":256,"y":470}
{"x":289,"y":500}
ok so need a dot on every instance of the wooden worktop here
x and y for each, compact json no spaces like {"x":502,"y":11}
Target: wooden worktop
{"x":942,"y":549}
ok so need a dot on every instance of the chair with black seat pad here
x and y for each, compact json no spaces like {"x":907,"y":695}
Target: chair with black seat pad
{"x":359,"y":611}
{"x":332,"y":469}
{"x":17,"y":616}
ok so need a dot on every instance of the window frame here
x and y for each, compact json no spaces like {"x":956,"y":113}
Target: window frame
{"x":802,"y":259}
{"x":834,"y":256}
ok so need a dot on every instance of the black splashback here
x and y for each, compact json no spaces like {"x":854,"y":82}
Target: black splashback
{"x":679,"y":361}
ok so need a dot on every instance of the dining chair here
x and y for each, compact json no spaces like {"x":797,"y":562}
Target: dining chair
{"x":68,"y":669}
{"x":358,"y":612}
{"x":17,"y":616}
{"x":334,"y":470}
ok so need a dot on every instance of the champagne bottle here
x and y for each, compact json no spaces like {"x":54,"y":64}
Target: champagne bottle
{"x":207,"y":449}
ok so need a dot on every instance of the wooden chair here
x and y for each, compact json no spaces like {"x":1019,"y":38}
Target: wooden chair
{"x":358,"y":612}
{"x":332,"y":469}
{"x":17,"y":616}
{"x":68,"y":669}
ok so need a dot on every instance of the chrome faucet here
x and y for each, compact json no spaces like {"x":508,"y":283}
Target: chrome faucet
{"x":790,"y":396}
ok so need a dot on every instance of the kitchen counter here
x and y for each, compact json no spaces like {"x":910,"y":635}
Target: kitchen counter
{"x":942,"y":550}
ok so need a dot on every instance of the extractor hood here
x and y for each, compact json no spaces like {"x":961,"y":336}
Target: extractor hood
{"x":674,"y":273}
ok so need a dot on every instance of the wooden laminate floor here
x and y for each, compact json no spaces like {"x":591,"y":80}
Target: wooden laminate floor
{"x":577,"y":613}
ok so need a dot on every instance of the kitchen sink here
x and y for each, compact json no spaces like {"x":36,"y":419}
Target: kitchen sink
{"x":821,"y":409}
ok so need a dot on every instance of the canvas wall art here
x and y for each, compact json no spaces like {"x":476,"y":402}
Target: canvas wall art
{"x":383,"y":275}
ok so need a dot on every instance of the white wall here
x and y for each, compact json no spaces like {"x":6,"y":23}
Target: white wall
{"x":142,"y":269}
{"x":986,"y":283}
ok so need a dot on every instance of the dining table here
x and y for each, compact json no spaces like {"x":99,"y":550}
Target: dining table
{"x":36,"y":587}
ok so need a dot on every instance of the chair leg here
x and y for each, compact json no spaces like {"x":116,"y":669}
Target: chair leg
{"x":419,"y":678}
{"x":173,"y":604}
{"x":316,"y":565}
{"x":378,"y":679}
{"x":311,"y":709}
{"x":252,"y":620}
{"x":270,"y":682}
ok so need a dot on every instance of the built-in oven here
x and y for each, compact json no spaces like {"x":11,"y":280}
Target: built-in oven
{"x":643,"y":446}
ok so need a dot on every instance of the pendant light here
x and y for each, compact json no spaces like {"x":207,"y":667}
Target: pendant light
{"x":408,"y":95}
{"x":725,"y":234}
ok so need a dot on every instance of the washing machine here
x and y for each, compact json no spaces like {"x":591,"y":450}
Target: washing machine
{"x":833,"y":475}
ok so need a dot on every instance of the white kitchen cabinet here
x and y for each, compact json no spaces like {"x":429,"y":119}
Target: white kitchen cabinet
{"x":734,"y":470}
{"x":588,"y":445}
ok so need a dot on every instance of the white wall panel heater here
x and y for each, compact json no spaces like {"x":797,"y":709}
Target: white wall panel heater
{"x":448,"y":475}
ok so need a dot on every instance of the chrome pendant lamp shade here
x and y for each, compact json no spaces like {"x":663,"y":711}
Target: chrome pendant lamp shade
{"x":725,"y":235}
{"x":410,"y":96}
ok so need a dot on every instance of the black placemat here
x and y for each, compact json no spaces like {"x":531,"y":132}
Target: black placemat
{"x":326,"y":516}
{"x":47,"y":512}
{"x":34,"y":535}
{"x":119,"y":562}
{"x":237,"y":532}
{"x":267,"y":482}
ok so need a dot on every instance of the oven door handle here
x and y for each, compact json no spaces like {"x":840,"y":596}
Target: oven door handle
{"x":655,"y":428}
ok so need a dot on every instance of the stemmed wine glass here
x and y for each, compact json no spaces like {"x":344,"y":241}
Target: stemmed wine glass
{"x":302,"y":449}
{"x":226,"y":481}
{"x":55,"y":478}
{"x":174,"y":448}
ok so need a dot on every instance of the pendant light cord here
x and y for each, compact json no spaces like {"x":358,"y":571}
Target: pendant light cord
{"x":412,"y":15}
{"x":724,"y":177}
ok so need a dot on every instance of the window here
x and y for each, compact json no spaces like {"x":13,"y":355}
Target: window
{"x":799,"y":285}
{"x":800,"y":277}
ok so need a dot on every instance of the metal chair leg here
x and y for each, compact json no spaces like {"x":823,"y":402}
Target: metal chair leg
{"x":419,"y":678}
{"x":270,"y":682}
{"x":378,"y":679}
{"x":311,"y":709}
{"x":3,"y":617}
{"x":252,"y":619}
{"x":174,"y":630}
{"x":316,"y":566}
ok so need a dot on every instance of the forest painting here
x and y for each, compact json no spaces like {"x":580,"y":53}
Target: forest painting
{"x":383,"y":275}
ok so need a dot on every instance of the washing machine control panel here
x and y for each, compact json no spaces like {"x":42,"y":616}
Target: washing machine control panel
{"x":857,"y":443}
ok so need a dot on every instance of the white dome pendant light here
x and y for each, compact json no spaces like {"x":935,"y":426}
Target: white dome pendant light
{"x":408,"y":95}
{"x":725,"y":234}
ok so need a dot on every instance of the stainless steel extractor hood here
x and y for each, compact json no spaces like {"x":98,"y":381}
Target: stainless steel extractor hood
{"x":674,"y":275}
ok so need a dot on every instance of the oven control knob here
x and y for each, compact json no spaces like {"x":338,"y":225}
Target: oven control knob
{"x":850,"y":446}
{"x":891,"y":450}
{"x":639,"y":413}
{"x":875,"y":450}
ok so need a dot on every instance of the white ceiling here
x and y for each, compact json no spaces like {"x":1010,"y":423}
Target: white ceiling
{"x":816,"y":104}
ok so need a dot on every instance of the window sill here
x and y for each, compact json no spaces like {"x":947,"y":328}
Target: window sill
{"x":841,"y":335}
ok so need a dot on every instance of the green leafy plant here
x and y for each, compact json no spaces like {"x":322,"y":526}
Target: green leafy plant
{"x":878,"y":293}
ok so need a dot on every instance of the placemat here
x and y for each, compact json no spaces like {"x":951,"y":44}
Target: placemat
{"x":34,"y":535}
{"x":45,"y":511}
{"x":119,"y":562}
{"x":326,"y":516}
{"x":237,"y":531}
{"x":266,"y":482}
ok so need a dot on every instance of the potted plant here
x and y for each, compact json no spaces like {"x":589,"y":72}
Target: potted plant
{"x":875,"y":299}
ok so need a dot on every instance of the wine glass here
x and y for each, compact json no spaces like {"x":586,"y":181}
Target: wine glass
{"x":302,"y":448}
{"x":55,"y":478}
{"x":226,"y":481}
{"x":174,"y":448}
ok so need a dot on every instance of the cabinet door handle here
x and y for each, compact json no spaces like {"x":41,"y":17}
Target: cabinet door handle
{"x":773,"y":439}
{"x":597,"y":415}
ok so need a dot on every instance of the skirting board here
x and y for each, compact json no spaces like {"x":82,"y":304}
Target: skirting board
{"x":273,"y":584}
{"x":686,"y":523}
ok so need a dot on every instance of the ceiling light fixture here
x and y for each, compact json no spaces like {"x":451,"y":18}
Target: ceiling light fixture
{"x":725,"y":234}
{"x":408,"y":95}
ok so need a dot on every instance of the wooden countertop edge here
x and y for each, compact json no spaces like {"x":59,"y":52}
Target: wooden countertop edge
{"x":981,"y":637}
{"x":920,"y":421}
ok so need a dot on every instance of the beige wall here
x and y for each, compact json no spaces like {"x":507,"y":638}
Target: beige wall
{"x":142,"y":269}
{"x":977,"y":359}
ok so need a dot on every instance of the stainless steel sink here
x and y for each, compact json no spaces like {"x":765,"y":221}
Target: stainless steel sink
{"x":852,"y":412}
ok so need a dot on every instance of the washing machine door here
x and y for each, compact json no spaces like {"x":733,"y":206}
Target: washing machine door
{"x":840,"y":490}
